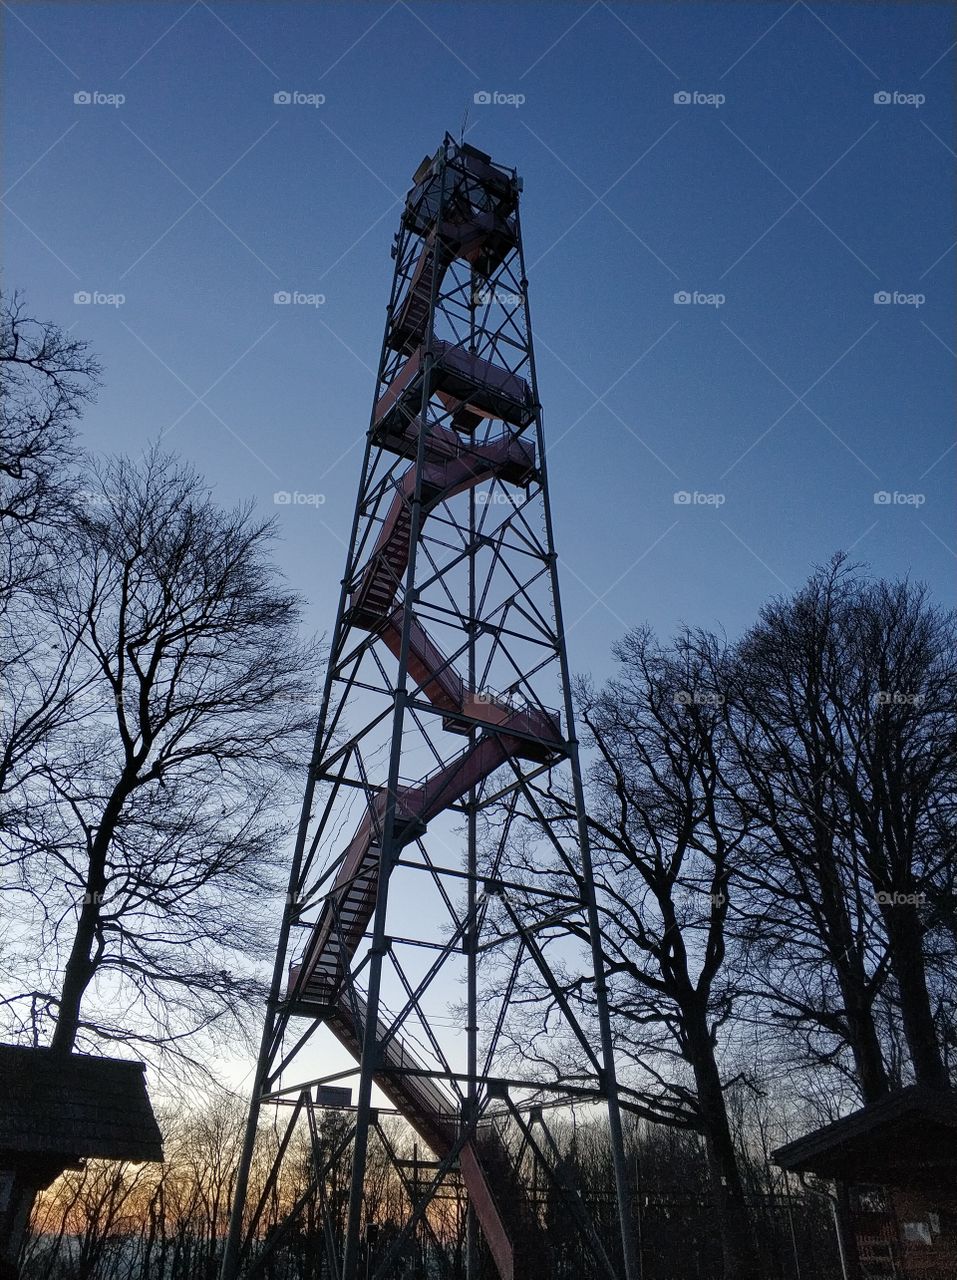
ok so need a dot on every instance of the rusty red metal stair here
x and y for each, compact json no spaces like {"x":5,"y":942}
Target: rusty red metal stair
{"x":470,"y":389}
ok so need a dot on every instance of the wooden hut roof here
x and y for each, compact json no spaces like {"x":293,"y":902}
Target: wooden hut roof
{"x":75,"y":1105}
{"x":908,"y":1135}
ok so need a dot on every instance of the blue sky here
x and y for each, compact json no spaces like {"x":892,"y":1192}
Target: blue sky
{"x":785,"y":407}
{"x":781,"y":198}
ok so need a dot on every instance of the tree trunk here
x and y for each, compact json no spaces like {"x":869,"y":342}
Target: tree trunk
{"x":737,"y":1237}
{"x":863,"y":1040}
{"x":865,"y":1044}
{"x":80,"y":967}
{"x":77,"y":973}
{"x":907,"y":964}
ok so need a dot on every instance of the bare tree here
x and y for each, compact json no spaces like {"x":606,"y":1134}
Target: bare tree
{"x":811,"y":953}
{"x":111,"y":1221}
{"x":842,"y":713}
{"x":666,"y":840}
{"x":147,"y":889}
{"x":46,"y":379}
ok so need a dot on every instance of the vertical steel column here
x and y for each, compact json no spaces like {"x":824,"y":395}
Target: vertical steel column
{"x":472,"y":1256}
{"x":610,"y":1082}
{"x":229,"y":1268}
{"x":370,"y":1039}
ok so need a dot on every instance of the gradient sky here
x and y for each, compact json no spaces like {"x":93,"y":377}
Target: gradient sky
{"x":795,"y":199}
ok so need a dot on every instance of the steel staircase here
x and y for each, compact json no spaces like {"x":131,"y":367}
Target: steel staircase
{"x":478,"y":227}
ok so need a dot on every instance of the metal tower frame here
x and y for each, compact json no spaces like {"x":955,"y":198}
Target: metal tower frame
{"x":436,"y":719}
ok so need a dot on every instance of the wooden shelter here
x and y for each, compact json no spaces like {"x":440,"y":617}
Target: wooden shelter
{"x":895,"y":1166}
{"x":57,"y":1110}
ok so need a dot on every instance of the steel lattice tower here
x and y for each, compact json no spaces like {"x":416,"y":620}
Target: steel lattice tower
{"x":447,"y":696}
